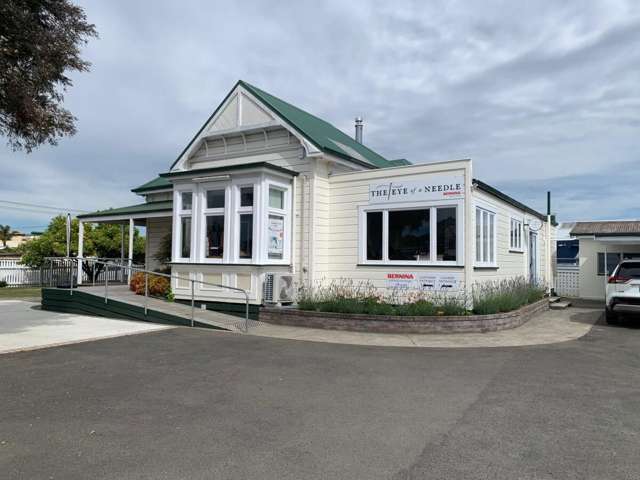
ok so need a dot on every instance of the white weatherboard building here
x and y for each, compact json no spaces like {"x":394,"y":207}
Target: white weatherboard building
{"x":266,"y":192}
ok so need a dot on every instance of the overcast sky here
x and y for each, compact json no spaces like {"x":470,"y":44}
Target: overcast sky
{"x":541,"y":95}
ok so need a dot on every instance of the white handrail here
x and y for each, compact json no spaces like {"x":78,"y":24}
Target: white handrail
{"x":131,"y":269}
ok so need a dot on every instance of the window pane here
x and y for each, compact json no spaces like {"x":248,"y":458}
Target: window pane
{"x":446,"y":234}
{"x":246,"y":197}
{"x":215,"y":199}
{"x":512,"y":234}
{"x":612,"y":262}
{"x":276,"y":198}
{"x":478,"y":235}
{"x":409,"y":235}
{"x":187,"y":200}
{"x":215,"y":236}
{"x":485,"y":237}
{"x":492,"y":249}
{"x":275,"y":236}
{"x":185,"y":236}
{"x":246,"y":236}
{"x":374,"y":235}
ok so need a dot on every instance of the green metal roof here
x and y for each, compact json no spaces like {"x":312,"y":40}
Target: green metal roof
{"x":322,"y":134}
{"x":149,"y":207}
{"x":159,"y":183}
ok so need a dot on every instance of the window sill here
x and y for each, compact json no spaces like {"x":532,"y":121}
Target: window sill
{"x":228,"y":264}
{"x":411,"y":265}
{"x":485,"y":267}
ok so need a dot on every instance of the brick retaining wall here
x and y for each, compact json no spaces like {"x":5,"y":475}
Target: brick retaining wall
{"x":401,"y":324}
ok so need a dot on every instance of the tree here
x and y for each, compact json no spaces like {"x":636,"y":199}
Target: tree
{"x":6,"y":234}
{"x":40,"y":43}
{"x":103,"y":240}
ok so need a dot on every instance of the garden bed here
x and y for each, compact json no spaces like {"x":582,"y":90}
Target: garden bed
{"x":356,"y":322}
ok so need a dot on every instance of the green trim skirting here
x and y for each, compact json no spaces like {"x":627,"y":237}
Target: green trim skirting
{"x":236,"y":309}
{"x":83,"y":303}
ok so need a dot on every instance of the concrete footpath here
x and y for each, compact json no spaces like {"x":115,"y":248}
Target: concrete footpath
{"x":551,"y":326}
{"x":23,"y":326}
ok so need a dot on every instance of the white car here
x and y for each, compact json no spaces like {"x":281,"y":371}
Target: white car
{"x":623,"y":290}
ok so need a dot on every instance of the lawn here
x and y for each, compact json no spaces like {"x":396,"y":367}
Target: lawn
{"x":7,"y":293}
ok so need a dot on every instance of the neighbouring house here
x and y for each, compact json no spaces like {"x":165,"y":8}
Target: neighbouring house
{"x":601,"y":246}
{"x":18,"y":239}
{"x":266,"y":190}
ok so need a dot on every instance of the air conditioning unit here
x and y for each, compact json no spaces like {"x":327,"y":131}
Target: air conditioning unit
{"x":278,"y":288}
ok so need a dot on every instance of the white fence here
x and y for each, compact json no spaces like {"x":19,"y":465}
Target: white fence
{"x":568,"y":280}
{"x":17,"y":275}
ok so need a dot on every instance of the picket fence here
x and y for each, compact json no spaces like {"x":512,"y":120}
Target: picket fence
{"x":17,"y":275}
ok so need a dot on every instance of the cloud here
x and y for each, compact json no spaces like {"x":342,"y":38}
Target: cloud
{"x":541,"y":95}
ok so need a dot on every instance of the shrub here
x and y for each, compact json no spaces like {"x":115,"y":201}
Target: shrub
{"x":3,"y":284}
{"x":158,"y":286}
{"x":345,"y":296}
{"x":505,"y":295}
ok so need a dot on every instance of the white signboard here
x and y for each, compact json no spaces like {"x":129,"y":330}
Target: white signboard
{"x":276,"y":236}
{"x":431,"y":282}
{"x":440,"y":187}
{"x":401,"y":280}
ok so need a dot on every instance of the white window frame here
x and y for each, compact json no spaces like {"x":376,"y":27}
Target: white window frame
{"x":490,"y":213}
{"x":269,"y":183}
{"x":179,"y":214}
{"x":240,"y":210}
{"x":516,"y":234}
{"x":433,"y":236}
{"x":205,"y":212}
{"x":232,"y":210}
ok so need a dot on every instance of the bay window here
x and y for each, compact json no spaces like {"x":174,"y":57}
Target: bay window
{"x":424,"y":235}
{"x":485,"y":237}
{"x":515,"y":235}
{"x":241,"y":220}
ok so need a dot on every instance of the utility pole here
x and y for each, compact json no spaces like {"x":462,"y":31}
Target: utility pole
{"x":68,"y":235}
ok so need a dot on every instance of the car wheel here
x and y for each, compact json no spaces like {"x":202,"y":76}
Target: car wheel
{"x":610,"y":316}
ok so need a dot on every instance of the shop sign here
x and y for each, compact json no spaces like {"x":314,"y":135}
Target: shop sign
{"x":442,"y":187}
{"x":432,"y":282}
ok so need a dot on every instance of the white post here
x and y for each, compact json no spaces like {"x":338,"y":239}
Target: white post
{"x":80,"y":249}
{"x":130,"y":262}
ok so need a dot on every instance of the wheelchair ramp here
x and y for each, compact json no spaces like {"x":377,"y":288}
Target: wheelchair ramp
{"x":124,"y":304}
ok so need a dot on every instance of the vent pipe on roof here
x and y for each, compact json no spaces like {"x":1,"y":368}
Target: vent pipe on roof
{"x":359,"y":126}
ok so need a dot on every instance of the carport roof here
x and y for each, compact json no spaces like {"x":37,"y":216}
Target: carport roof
{"x":607,"y":228}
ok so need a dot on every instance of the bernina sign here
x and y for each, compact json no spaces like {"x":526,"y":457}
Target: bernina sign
{"x":434,"y":188}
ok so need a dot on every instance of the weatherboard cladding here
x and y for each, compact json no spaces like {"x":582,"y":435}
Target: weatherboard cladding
{"x":631,"y":227}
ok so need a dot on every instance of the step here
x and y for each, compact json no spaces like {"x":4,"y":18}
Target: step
{"x":560,"y":305}
{"x":554,"y":299}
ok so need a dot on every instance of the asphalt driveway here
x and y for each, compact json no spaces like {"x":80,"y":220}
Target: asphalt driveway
{"x":192,"y":404}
